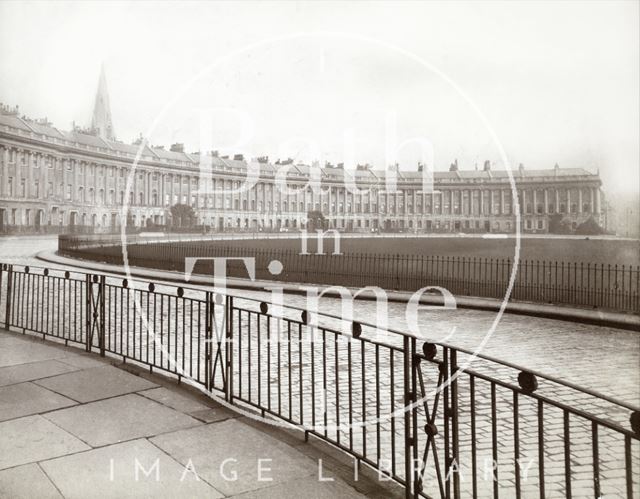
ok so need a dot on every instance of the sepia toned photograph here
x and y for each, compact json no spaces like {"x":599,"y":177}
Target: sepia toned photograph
{"x":303,"y":249}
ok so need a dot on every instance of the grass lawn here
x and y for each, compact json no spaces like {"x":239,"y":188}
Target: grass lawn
{"x":613,"y":251}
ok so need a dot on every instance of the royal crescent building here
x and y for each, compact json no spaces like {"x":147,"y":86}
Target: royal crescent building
{"x":53,"y":180}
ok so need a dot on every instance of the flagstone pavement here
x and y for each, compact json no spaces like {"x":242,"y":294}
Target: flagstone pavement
{"x":76,"y":425}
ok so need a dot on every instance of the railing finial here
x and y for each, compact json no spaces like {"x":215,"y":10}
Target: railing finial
{"x":527,"y":381}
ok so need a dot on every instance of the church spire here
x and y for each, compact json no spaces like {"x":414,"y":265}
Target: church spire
{"x":101,"y":119}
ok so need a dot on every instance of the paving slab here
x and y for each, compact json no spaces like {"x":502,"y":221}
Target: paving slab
{"x":180,"y":401}
{"x":309,"y":488}
{"x":214,"y":414}
{"x":130,"y":469}
{"x":227,"y":455}
{"x":96,"y":383}
{"x":120,"y":418}
{"x":17,"y":350}
{"x":84,"y":361}
{"x":33,"y":438}
{"x":24,"y":399}
{"x":33,"y":370}
{"x":27,"y":481}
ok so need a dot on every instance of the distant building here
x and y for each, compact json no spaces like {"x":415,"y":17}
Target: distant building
{"x":52,"y":179}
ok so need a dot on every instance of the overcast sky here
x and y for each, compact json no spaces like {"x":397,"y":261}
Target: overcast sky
{"x":558,"y":82}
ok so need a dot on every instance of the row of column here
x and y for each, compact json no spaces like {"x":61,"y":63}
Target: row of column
{"x":183,"y":188}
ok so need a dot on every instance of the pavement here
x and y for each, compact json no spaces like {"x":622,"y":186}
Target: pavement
{"x":73,"y":424}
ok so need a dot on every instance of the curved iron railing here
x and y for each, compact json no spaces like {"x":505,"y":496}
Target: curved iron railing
{"x":435,"y":418}
{"x":583,"y":284}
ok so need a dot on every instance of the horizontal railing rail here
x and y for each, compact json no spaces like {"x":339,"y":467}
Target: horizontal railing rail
{"x":440,"y":420}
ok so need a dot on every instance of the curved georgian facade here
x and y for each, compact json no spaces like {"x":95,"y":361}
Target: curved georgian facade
{"x":51,"y":178}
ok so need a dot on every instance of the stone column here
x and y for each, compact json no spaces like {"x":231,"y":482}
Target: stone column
{"x":546,"y":201}
{"x":535,"y":201}
{"x":163,"y":196}
{"x":598,"y":201}
{"x":31,"y":156}
{"x":568,"y":200}
{"x":580,"y":200}
{"x":557,"y":207}
{"x":592,"y":200}
{"x":4,"y":173}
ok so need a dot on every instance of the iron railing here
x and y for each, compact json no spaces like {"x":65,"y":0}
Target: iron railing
{"x":435,"y":418}
{"x":593,"y":285}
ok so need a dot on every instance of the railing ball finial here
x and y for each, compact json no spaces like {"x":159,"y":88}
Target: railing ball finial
{"x":180,"y":292}
{"x":304,"y":317}
{"x":429,"y":350}
{"x":528,"y":382}
{"x":152,"y":287}
{"x":264,"y":308}
{"x":431,"y":429}
{"x":356,"y":329}
{"x":95,"y":278}
{"x":125,"y":283}
{"x":634,"y":419}
{"x":67,"y":274}
{"x":45,"y":272}
{"x":26,"y":269}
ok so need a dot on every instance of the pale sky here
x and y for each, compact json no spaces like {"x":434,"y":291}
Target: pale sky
{"x":558,"y":82}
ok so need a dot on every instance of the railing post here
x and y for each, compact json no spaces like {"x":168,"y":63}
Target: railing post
{"x":446,"y":416}
{"x":9,"y":297}
{"x":229,"y":349}
{"x":417,"y":469}
{"x":102,"y":315}
{"x":88,"y":312}
{"x":408,"y":433}
{"x":455,"y":446}
{"x":208,"y":338}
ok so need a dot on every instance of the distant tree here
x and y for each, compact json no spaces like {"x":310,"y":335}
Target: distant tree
{"x":182,"y":215}
{"x":316,"y":220}
{"x":559,"y":225}
{"x":589,"y":228}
